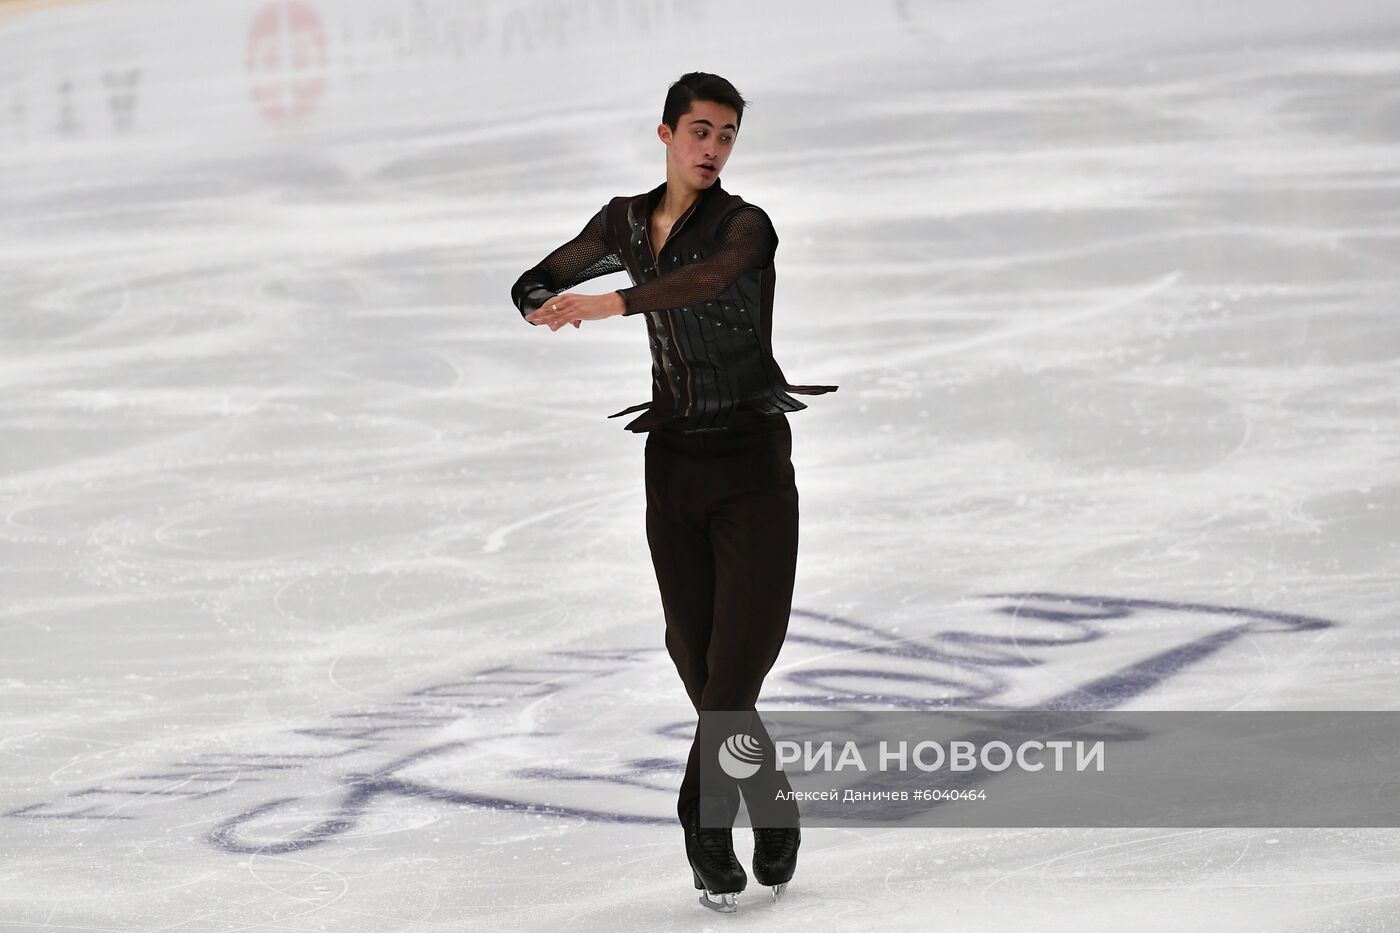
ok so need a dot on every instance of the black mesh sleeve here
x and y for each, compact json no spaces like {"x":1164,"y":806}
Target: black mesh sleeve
{"x":745,"y":241}
{"x":585,"y":257}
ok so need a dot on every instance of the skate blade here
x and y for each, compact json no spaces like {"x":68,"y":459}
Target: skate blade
{"x":727,"y":903}
{"x":778,"y":890}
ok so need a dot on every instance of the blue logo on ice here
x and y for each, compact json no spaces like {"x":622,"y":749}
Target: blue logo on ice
{"x":376,"y":755}
{"x":740,"y":756}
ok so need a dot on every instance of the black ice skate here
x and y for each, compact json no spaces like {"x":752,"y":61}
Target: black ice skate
{"x":775,"y":856}
{"x":713,"y":865}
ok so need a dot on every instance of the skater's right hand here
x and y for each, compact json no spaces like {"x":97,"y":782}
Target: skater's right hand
{"x":537,"y":322}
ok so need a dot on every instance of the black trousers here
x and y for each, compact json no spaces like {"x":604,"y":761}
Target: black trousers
{"x":721,"y":519}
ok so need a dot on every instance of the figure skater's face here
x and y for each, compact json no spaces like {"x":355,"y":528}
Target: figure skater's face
{"x":704,"y":136}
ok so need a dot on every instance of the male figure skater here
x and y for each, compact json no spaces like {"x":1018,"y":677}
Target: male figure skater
{"x":722,"y":504}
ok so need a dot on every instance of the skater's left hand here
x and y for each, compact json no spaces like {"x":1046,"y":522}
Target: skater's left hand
{"x":571,"y":308}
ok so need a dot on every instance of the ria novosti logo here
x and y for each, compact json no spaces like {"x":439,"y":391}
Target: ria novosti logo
{"x":740,"y":756}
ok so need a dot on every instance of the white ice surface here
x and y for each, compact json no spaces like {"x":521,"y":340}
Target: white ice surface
{"x":1109,"y":290}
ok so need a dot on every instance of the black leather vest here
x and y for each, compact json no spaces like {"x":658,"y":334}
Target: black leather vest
{"x":710,"y":358}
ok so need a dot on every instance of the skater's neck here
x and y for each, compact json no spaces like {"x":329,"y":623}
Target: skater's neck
{"x":676,"y":199}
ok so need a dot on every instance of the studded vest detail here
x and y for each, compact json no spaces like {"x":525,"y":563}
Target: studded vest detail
{"x":713,"y":353}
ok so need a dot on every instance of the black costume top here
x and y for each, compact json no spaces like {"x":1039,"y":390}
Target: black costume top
{"x":708,"y":301}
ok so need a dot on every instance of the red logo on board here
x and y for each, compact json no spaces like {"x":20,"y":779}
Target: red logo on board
{"x":286,"y":60}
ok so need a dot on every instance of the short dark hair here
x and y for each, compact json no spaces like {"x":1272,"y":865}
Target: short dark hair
{"x":699,"y":85}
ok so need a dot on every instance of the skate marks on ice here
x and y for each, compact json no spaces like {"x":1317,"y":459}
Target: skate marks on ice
{"x":510,"y":738}
{"x":854,"y":362}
